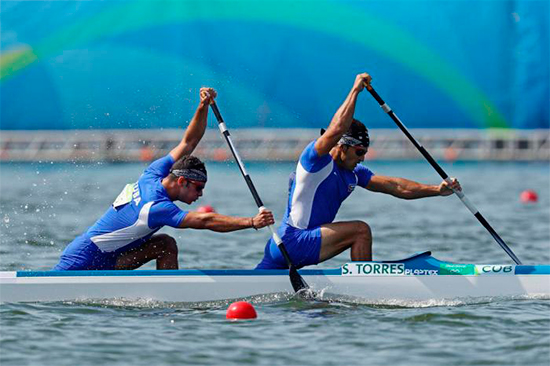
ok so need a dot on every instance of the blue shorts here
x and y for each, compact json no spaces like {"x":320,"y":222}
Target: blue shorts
{"x":83,"y":254}
{"x":303,"y":246}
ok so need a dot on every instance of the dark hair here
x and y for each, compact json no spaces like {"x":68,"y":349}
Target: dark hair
{"x":356,"y":130}
{"x":359,"y":131}
{"x":355,"y":127}
{"x":188,"y":162}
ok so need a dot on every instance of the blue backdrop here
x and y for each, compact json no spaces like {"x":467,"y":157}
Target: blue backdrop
{"x":139,"y":64}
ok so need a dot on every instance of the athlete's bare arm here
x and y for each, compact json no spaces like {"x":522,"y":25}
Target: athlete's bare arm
{"x":408,"y":189}
{"x":342,"y":118}
{"x":222,"y":223}
{"x":195,"y":131}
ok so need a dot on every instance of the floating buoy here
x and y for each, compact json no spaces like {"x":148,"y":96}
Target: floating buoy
{"x":529,"y":196}
{"x":241,"y":310}
{"x":206,"y":208}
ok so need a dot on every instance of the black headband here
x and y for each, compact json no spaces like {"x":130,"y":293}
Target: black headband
{"x":192,"y":174}
{"x":356,"y":138}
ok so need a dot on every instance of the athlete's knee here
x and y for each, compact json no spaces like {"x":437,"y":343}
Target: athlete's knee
{"x":168,"y":244}
{"x":362,"y":231}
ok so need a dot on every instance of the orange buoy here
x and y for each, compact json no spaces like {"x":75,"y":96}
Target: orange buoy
{"x":529,"y":196}
{"x":241,"y":310}
{"x":206,"y":208}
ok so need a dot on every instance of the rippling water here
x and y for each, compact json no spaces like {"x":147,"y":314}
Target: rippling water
{"x":44,"y":206}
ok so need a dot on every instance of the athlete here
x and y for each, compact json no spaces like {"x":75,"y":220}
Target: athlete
{"x":124,"y":237}
{"x":328,"y":171}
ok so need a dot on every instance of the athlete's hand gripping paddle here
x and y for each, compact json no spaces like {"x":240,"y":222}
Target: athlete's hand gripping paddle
{"x":442,"y":173}
{"x":296,"y":280}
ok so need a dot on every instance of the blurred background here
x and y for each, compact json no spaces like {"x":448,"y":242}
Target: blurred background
{"x":118,"y":80}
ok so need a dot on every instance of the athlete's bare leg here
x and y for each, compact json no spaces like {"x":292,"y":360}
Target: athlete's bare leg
{"x":339,"y":236}
{"x":161,"y":247}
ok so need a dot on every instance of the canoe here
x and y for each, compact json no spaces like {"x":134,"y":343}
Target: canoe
{"x":419,"y":277}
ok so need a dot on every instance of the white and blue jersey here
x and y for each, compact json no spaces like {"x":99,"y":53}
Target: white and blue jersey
{"x":316,"y":193}
{"x":140,"y":210}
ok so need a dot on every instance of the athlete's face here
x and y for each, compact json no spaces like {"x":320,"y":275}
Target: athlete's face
{"x":190,"y":190}
{"x":353,"y":155}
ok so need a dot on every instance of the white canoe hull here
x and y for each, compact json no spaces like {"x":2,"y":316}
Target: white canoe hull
{"x":214,"y":285}
{"x":194,"y":289}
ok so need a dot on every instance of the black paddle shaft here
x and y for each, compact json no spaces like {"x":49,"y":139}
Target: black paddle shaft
{"x":443,"y":175}
{"x":298,"y":283}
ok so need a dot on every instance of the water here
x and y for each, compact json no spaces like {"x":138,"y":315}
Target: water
{"x":44,"y":206}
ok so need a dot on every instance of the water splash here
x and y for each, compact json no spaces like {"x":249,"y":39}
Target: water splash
{"x":203,"y":305}
{"x":429,"y":303}
{"x":296,"y":300}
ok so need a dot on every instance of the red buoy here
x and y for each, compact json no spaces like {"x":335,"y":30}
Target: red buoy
{"x":529,"y":196}
{"x":206,"y":208}
{"x":241,"y":310}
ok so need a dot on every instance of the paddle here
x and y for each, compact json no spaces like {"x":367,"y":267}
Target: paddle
{"x":443,"y":175}
{"x":296,"y":280}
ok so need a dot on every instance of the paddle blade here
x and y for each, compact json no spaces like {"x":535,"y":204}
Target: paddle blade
{"x":298,"y":283}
